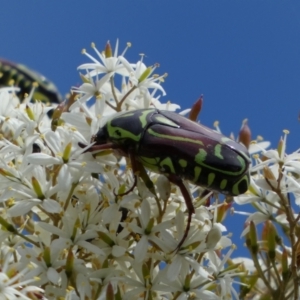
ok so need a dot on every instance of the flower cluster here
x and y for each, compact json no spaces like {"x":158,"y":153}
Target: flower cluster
{"x":274,"y":194}
{"x":76,"y":224}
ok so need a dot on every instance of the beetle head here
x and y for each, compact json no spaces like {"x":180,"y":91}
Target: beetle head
{"x":101,"y":137}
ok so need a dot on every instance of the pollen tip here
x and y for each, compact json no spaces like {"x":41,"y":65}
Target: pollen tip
{"x":216,"y":123}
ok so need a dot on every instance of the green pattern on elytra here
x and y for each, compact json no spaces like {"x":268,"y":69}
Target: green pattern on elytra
{"x":165,"y":121}
{"x":211,"y":178}
{"x":175,"y":138}
{"x":200,"y":159}
{"x":217,"y":151}
{"x":235,"y":188}
{"x":150,"y":163}
{"x":118,"y":133}
{"x":132,"y":114}
{"x":197,"y":172}
{"x":183,"y":163}
{"x":201,"y":156}
{"x":143,"y":118}
{"x":223,"y":184}
{"x":168,"y":162}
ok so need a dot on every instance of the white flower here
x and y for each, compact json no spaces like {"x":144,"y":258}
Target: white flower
{"x":12,"y":286}
{"x":186,"y":287}
{"x":8,"y":102}
{"x":47,"y":262}
{"x":147,"y":230}
{"x":34,"y":115}
{"x":71,"y":234}
{"x":67,"y":153}
{"x":90,"y":88}
{"x":37,"y":191}
{"x":225,"y":277}
{"x":108,"y":64}
{"x":141,"y":76}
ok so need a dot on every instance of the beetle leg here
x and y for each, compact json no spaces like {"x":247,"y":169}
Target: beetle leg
{"x":188,"y":201}
{"x":98,"y":147}
{"x":135,"y":169}
{"x":130,"y":190}
{"x":139,"y":170}
{"x":124,"y":212}
{"x":204,"y":194}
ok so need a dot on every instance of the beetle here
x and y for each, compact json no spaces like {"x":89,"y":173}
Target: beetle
{"x":168,"y":143}
{"x":24,"y":77}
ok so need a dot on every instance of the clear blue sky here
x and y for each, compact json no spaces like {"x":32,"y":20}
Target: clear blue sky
{"x":243,"y":55}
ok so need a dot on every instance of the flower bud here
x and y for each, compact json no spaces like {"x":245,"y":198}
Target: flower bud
{"x":58,"y":111}
{"x":269,"y":237}
{"x":252,"y":239}
{"x":286,"y":273}
{"x":29,"y":112}
{"x":37,"y":188}
{"x":69,"y":263}
{"x":282,"y":144}
{"x":67,"y":152}
{"x":146,"y":271}
{"x":187,"y":282}
{"x":268,"y":174}
{"x":108,"y":50}
{"x":149,"y":226}
{"x":106,"y":239}
{"x":145,"y":74}
{"x":110,"y":292}
{"x":222,"y":211}
{"x":47,"y":257}
{"x":9,"y":227}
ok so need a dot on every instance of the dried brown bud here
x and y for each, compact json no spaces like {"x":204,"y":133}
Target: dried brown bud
{"x":268,"y":174}
{"x":196,"y":108}
{"x":245,"y":134}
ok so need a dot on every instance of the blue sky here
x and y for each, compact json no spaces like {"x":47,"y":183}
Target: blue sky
{"x":242,"y":55}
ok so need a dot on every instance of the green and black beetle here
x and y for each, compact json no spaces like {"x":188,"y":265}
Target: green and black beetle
{"x":23,"y":78}
{"x":168,"y":143}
